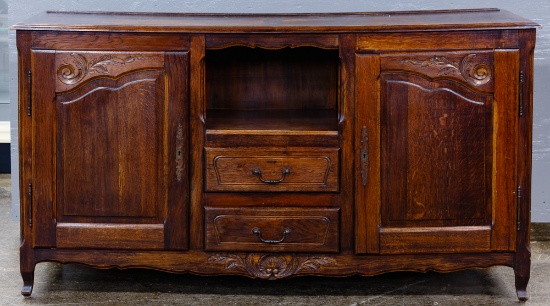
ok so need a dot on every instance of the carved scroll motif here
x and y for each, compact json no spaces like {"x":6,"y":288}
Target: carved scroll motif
{"x":79,"y":67}
{"x":474,"y":73}
{"x":272,"y":266}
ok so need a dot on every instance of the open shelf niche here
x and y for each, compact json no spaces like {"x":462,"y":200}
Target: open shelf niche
{"x":287,"y":90}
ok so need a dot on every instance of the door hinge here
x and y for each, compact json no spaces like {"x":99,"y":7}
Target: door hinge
{"x":518,"y":206}
{"x":29,"y":212}
{"x":29,"y":103}
{"x":521,"y":93}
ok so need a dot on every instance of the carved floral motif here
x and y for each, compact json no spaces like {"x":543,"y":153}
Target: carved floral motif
{"x":74,"y":72}
{"x":271,"y":266}
{"x":475,"y":74}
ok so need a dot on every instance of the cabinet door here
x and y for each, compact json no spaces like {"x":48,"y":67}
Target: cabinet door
{"x":437,"y":151}
{"x":110,"y":149}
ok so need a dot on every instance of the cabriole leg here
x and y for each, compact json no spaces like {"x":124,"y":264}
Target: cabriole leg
{"x":28,"y":282}
{"x":27,"y":265}
{"x":522,"y":272}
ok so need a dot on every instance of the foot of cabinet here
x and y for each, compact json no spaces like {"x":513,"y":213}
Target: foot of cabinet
{"x":28,"y":283}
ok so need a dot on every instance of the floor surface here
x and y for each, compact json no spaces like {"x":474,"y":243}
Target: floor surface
{"x":79,"y":285}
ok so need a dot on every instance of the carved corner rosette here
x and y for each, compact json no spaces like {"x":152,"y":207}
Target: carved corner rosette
{"x":73,"y":71}
{"x":272,"y":266}
{"x":474,"y":73}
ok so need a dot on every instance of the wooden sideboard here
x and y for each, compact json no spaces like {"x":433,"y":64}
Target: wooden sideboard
{"x":274,"y":145}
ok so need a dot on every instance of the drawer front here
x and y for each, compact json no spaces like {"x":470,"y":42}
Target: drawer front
{"x":272,"y":170}
{"x":272,"y":229}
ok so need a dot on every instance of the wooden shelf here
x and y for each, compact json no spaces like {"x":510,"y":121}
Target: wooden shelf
{"x":265,"y":122}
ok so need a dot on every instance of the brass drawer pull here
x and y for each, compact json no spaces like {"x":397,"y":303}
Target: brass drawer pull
{"x":258,"y":173}
{"x":258,"y":233}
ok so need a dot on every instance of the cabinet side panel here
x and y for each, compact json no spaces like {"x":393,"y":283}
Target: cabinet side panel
{"x":522,"y":258}
{"x":26,"y":253}
{"x":505,"y":150}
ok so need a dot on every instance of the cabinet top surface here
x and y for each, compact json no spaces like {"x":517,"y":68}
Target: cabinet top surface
{"x":310,"y":22}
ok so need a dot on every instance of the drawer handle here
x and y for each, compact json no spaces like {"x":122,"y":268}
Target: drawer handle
{"x":257,"y":172}
{"x":258,"y":233}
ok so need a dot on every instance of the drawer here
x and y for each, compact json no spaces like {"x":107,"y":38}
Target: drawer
{"x":272,"y":229}
{"x":272,"y":169}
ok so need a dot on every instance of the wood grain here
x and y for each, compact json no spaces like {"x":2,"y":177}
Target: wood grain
{"x":110,"y":41}
{"x":346,"y":128}
{"x":308,"y":229}
{"x":110,"y":236}
{"x":279,"y":170}
{"x":505,"y":118}
{"x":243,"y":78}
{"x":367,"y":135}
{"x":421,"y":41}
{"x":435,"y":158}
{"x":43,"y":148}
{"x":522,"y":261}
{"x":177,"y":152}
{"x":435,"y":240}
{"x":26,"y":253}
{"x":291,"y":23}
{"x":407,"y":135}
{"x":106,"y":140}
{"x":196,"y":131}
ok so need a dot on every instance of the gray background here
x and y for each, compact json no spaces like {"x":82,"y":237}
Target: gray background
{"x":536,"y":10}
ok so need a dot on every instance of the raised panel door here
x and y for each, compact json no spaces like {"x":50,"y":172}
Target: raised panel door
{"x":446,"y":169}
{"x":113,"y":134}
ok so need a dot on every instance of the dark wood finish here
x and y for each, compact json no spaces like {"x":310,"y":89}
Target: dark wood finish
{"x":505,"y":121}
{"x":367,"y":151}
{"x":282,"y":170}
{"x":204,"y":263}
{"x":271,"y":199}
{"x":43,"y":146}
{"x":307,"y":122}
{"x":242,"y":78}
{"x":27,"y":260}
{"x":273,"y":145}
{"x":522,"y":259}
{"x":196,"y":122}
{"x":272,"y":229}
{"x":106,"y":113}
{"x":267,"y":41}
{"x":468,"y":40}
{"x":272,"y":138}
{"x":268,"y":23}
{"x":109,"y":41}
{"x":435,"y":144}
{"x":346,"y":128}
{"x":110,"y":236}
{"x":435,"y":239}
